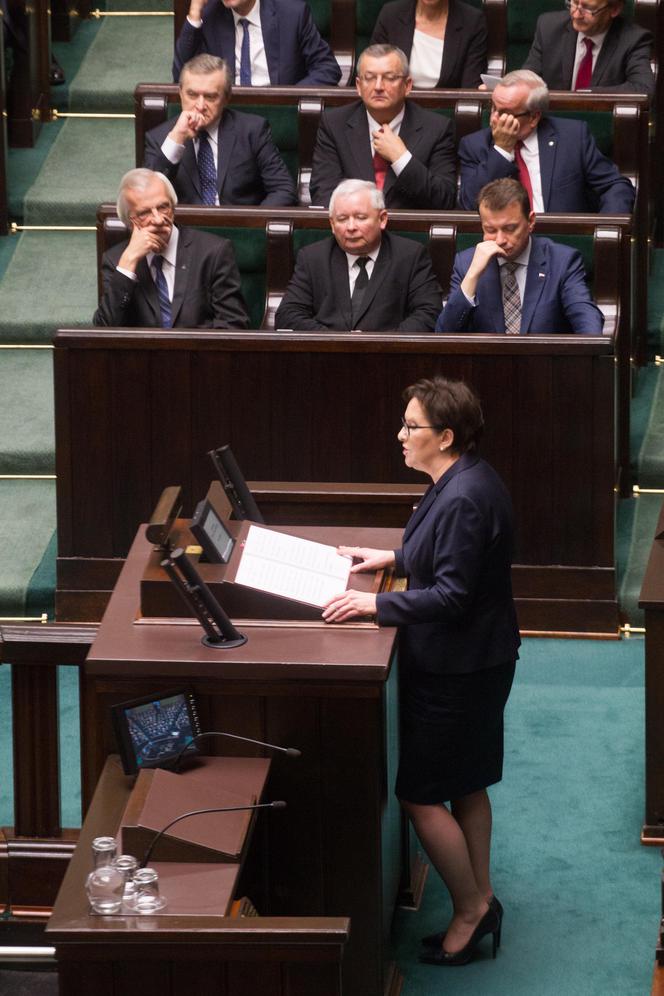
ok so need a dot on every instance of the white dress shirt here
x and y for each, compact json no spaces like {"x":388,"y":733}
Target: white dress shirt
{"x":260,"y":75}
{"x":530,"y":153}
{"x":395,"y":124}
{"x":354,"y":271}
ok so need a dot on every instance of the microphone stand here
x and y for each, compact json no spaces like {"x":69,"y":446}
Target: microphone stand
{"x":289,"y":751}
{"x":220,"y":632}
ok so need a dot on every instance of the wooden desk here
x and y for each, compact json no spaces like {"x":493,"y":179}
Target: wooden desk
{"x":328,"y":690}
{"x":652,"y":601}
{"x":176,"y":955}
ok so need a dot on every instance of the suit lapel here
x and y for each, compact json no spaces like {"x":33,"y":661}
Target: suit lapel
{"x":357,"y":136}
{"x":148,"y":288}
{"x":536,"y":276}
{"x":451,"y":47}
{"x":547,"y":142}
{"x":190,"y":166}
{"x":567,"y":56}
{"x":410,"y":133}
{"x":225,"y":142}
{"x":465,"y":461}
{"x":181,"y":273}
{"x":339,"y":267}
{"x":270,"y":29}
{"x":605,"y":54}
{"x":226,"y":39}
{"x":379,"y":271}
{"x":491,"y":292}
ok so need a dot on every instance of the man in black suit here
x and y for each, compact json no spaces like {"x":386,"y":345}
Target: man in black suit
{"x":363,"y":279}
{"x":283,"y":46}
{"x":407,"y":151}
{"x":592,"y":48}
{"x":212,"y":154}
{"x":166,"y":277}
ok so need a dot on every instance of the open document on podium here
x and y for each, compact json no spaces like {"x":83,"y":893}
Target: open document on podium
{"x":292,"y":567}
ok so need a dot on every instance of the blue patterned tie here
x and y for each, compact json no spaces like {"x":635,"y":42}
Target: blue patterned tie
{"x":162,"y":292}
{"x":245,"y":55}
{"x":207,"y":173}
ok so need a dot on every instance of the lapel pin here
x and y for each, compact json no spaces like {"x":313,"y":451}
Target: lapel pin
{"x":541,"y":275}
{"x":552,"y":142}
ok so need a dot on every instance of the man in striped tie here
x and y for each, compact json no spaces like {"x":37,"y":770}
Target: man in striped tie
{"x":513,"y":282}
{"x":164,"y":276}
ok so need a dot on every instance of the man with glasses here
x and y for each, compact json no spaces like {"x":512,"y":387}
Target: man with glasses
{"x":215,"y":155}
{"x":556,"y":159}
{"x":165,"y":276}
{"x":408,"y":152}
{"x":592,"y":48}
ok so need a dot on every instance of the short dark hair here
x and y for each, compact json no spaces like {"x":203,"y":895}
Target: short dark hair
{"x":205,"y":64}
{"x":499,"y":194}
{"x":450,"y":404}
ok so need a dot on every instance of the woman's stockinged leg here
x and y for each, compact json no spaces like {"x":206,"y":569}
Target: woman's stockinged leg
{"x":444,"y":841}
{"x":473,"y":814}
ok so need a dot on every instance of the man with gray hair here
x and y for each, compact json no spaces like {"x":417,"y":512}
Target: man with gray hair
{"x":406,"y":150}
{"x":556,"y":159}
{"x":364,"y":278}
{"x":592,"y":47}
{"x":164,"y":276}
{"x":215,"y":155}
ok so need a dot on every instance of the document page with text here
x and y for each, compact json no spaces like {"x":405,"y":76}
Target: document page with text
{"x":292,"y":567}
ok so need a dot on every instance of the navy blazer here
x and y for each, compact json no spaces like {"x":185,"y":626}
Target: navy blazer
{"x":575,"y":175}
{"x":458,"y":614}
{"x":343,"y":152}
{"x":250,"y":169}
{"x":295,"y":52}
{"x":556,"y":297}
{"x":206,"y":293}
{"x":465,"y":48}
{"x":623,"y":63}
{"x":402,"y":294}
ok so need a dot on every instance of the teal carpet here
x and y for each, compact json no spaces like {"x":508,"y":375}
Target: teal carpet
{"x":581,"y":895}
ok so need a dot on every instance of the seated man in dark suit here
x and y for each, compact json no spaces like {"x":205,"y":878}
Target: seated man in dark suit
{"x":592,"y":48}
{"x":212,"y":154}
{"x":556,"y":159}
{"x":407,"y":151}
{"x":283,"y":46}
{"x":514,"y":282}
{"x":363,"y":278}
{"x":164,"y":276}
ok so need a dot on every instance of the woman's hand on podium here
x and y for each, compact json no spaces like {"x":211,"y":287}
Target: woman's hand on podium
{"x":371,"y":560}
{"x":349,"y":604}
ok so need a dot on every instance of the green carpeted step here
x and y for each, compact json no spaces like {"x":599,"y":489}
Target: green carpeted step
{"x":83,"y":168}
{"x":126,"y":51}
{"x":27,"y":442}
{"x":27,"y":521}
{"x":51,"y":281}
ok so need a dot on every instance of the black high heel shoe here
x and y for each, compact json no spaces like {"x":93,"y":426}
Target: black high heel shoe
{"x":436,"y":940}
{"x":489,"y":924}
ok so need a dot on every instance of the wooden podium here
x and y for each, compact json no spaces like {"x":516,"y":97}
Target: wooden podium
{"x":330,"y":691}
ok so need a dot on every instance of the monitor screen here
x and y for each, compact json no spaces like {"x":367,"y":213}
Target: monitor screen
{"x":152,"y":731}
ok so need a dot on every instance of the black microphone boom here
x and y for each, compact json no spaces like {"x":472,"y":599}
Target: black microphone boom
{"x":278,"y":804}
{"x":289,"y":751}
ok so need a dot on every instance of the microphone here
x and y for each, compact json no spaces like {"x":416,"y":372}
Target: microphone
{"x":289,"y":751}
{"x":278,"y":804}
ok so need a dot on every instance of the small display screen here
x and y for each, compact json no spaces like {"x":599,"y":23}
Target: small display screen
{"x":219,"y":535}
{"x":152,"y":732}
{"x":211,"y":533}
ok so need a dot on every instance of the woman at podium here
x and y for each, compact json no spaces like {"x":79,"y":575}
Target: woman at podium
{"x":458,"y":645}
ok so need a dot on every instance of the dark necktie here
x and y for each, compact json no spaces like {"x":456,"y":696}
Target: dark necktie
{"x":207,"y":174}
{"x":359,"y":289}
{"x":245,"y":54}
{"x":162,"y":293}
{"x":585,"y":73}
{"x":511,"y":300}
{"x":380,"y":167}
{"x":524,"y":175}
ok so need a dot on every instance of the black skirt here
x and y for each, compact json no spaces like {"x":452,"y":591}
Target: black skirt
{"x":451,"y":733}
